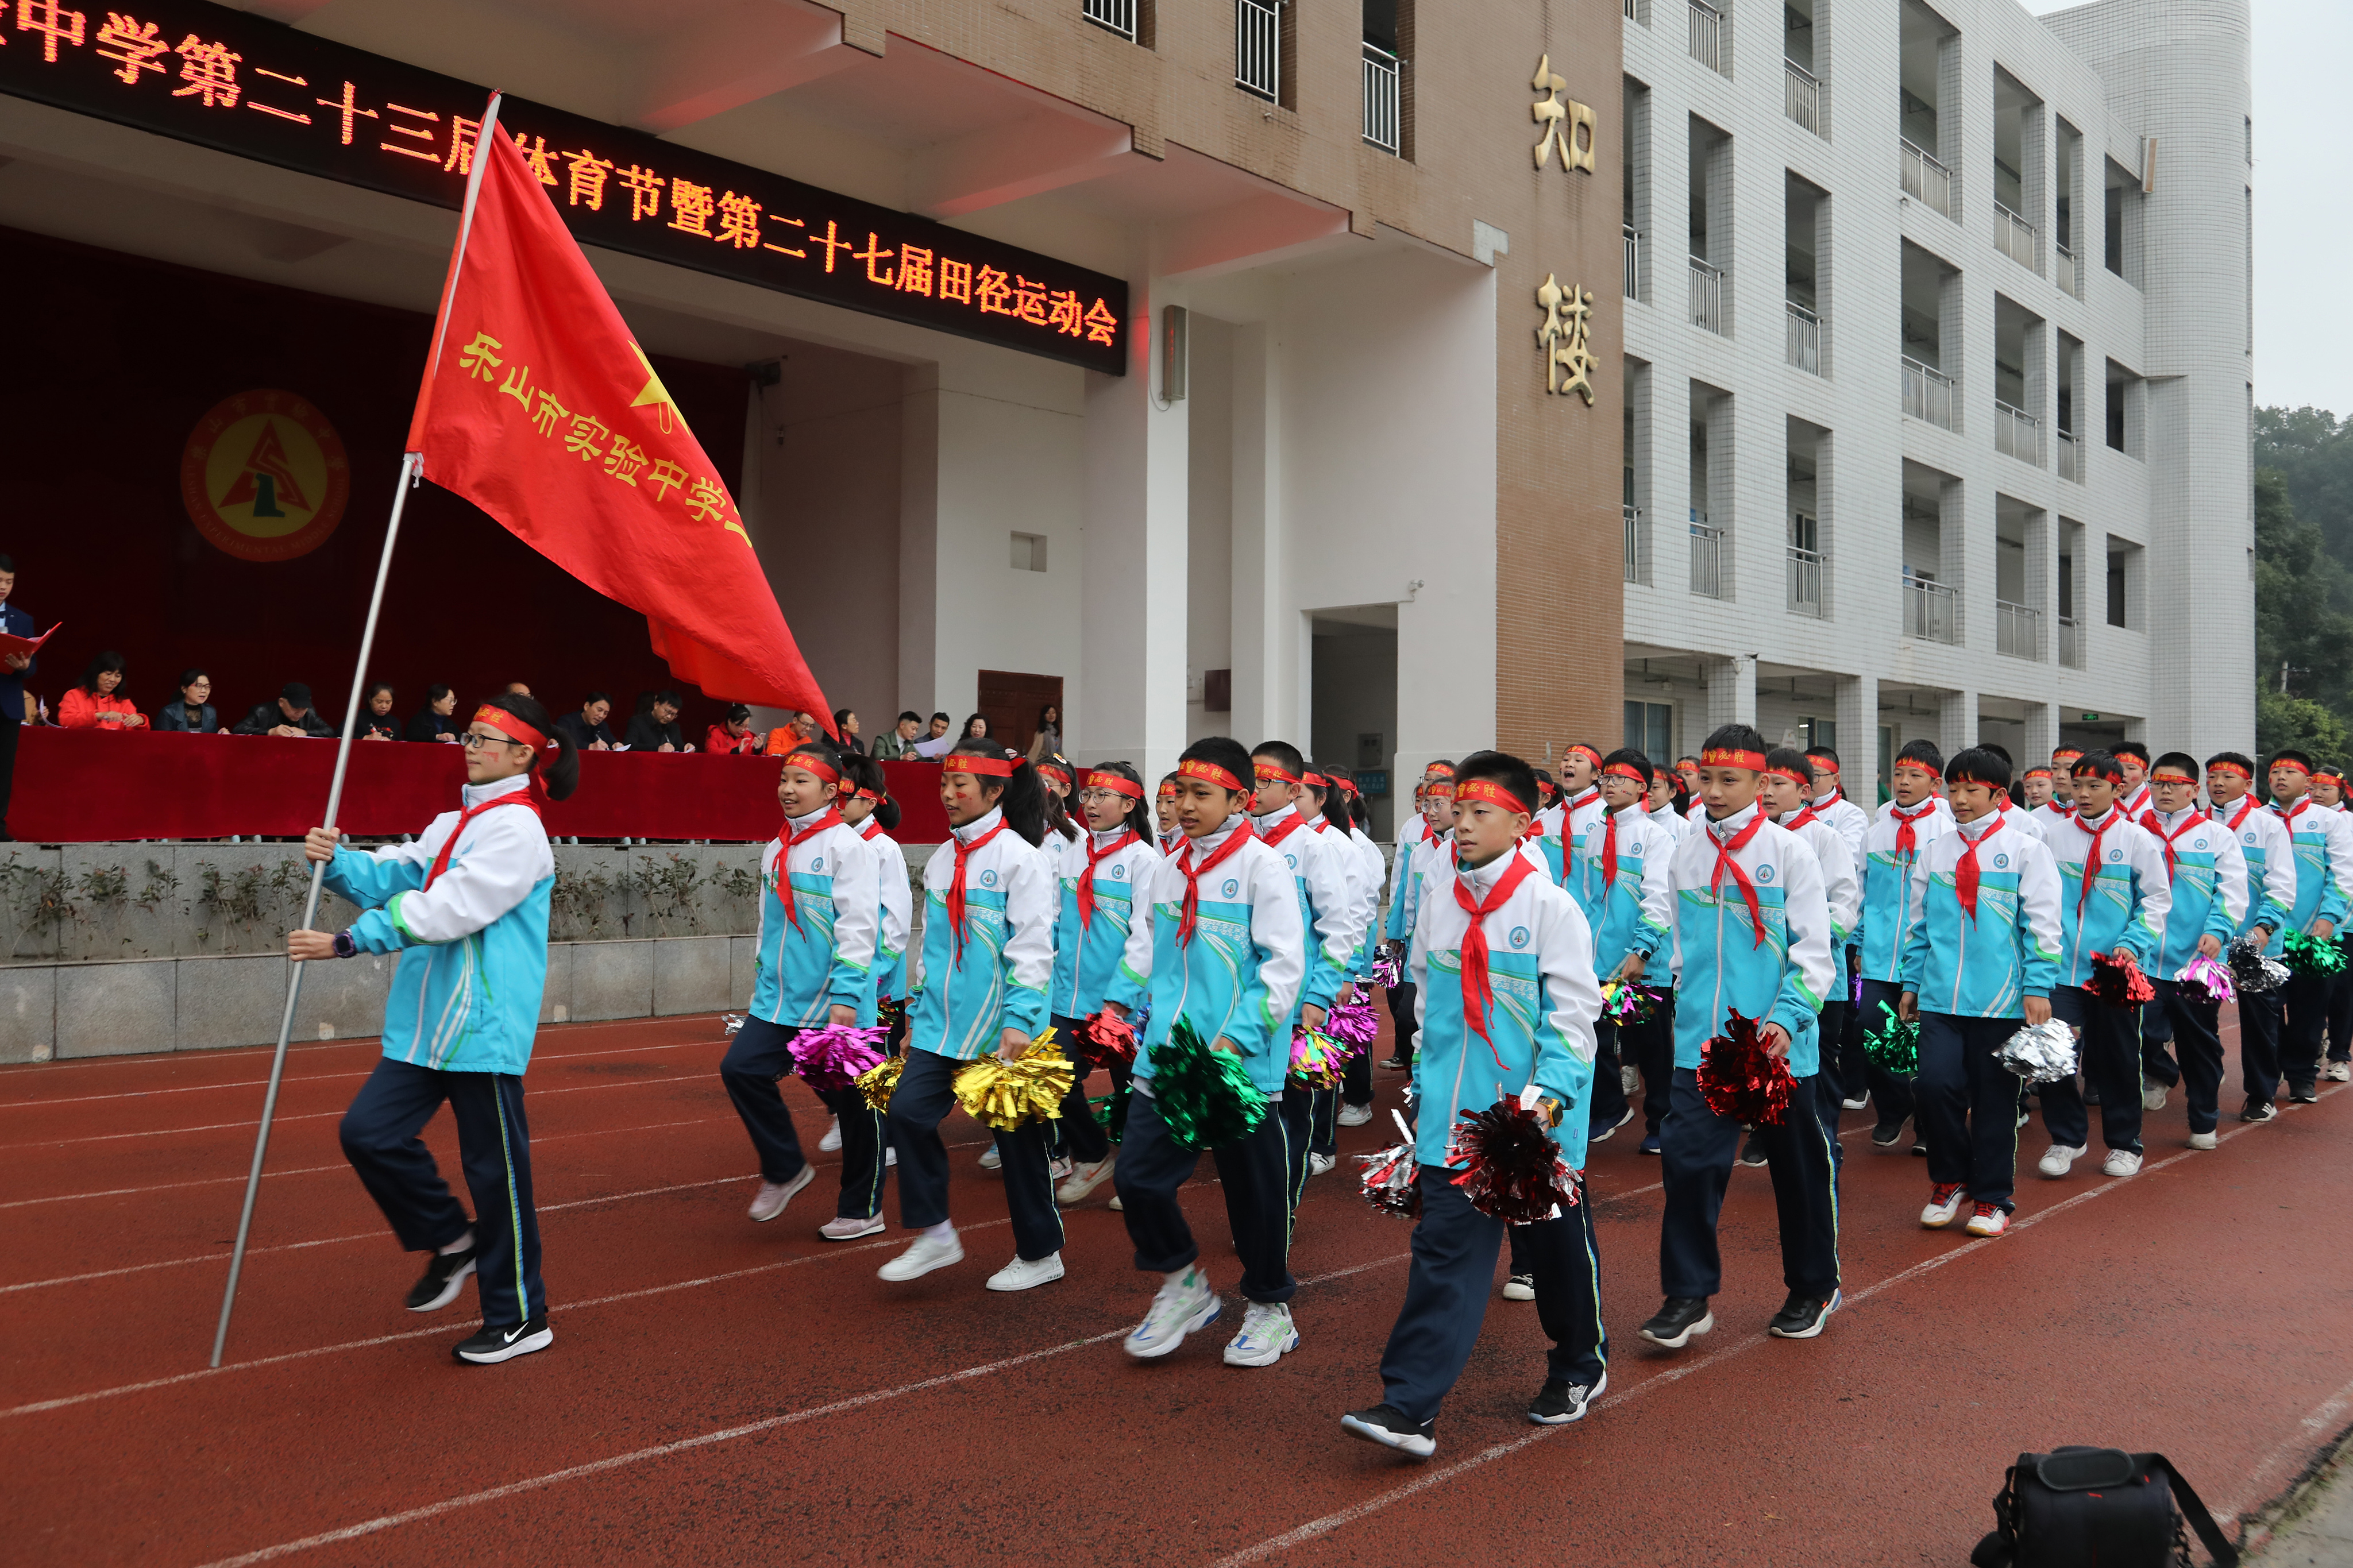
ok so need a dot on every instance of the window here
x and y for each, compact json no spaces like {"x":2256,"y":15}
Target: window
{"x":1651,"y":729}
{"x":1029,"y":553}
{"x":2126,"y":585}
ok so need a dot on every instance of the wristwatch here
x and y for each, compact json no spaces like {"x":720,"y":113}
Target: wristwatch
{"x":344,"y":946}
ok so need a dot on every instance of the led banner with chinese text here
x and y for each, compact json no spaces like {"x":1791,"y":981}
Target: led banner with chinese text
{"x":242,"y":84}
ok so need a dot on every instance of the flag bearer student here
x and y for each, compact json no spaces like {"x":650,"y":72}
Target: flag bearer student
{"x":2270,"y":855}
{"x":2329,"y":789}
{"x":466,"y":907}
{"x":819,"y":931}
{"x":2206,"y":876}
{"x":1328,"y":911}
{"x":1908,"y":823}
{"x":1329,"y":793}
{"x":2324,"y":889}
{"x":1752,"y":935}
{"x":1226,"y":951}
{"x":1979,"y":960}
{"x":1853,"y":825}
{"x":1505,"y":963}
{"x":988,"y":959}
{"x":1785,"y":788}
{"x":2113,"y":897}
{"x":1105,"y":881}
{"x":1436,"y":800}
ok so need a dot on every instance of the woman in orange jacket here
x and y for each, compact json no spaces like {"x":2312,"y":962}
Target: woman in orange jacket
{"x":97,"y":704}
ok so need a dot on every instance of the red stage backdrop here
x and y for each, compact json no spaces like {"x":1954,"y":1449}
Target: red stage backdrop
{"x":117,"y":360}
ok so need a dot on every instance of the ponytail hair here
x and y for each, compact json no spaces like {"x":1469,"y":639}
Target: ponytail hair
{"x":1336,"y":810}
{"x":558,"y":765}
{"x":1022,"y":798}
{"x":866,"y":773}
{"x":1138,"y":819}
{"x":1057,"y":816}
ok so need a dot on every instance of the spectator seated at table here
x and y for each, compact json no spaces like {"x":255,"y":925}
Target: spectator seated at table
{"x":735,"y":737}
{"x":586,"y":729}
{"x":846,"y":726}
{"x":935,"y":746}
{"x":432,"y":720}
{"x":291,"y":715}
{"x":900,"y":744}
{"x":194,"y":711}
{"x":97,"y":704}
{"x":655,"y":728}
{"x":377,"y":722}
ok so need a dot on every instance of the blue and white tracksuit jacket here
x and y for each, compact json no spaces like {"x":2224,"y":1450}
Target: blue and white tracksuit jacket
{"x":1372,"y":876}
{"x":473,"y":947}
{"x":1841,"y":889}
{"x":2324,"y":861}
{"x":1540,"y":1025}
{"x":1635,"y":913}
{"x":1719,"y":965}
{"x":2269,"y":851}
{"x":1402,"y":892}
{"x":898,"y":912}
{"x":2208,"y":887}
{"x":1087,"y":954}
{"x":1240,"y":974}
{"x":825,"y":957}
{"x":1983,"y":966}
{"x":1886,"y":886}
{"x":1564,"y":847}
{"x":2130,"y":901}
{"x":1329,"y":907}
{"x":997,"y":980}
{"x":1854,"y":823}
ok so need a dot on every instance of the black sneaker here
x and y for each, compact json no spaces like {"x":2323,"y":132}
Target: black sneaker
{"x":2303,"y":1094}
{"x":1920,"y":1147}
{"x":2258,"y":1110}
{"x":1520,"y":1288}
{"x":1387,"y":1425}
{"x":1681,"y":1318}
{"x":1557,"y":1404}
{"x":1801,"y":1317}
{"x":1394,"y":1064}
{"x":1890,"y":1129}
{"x":443,"y":1277}
{"x":2091,"y":1095}
{"x":1752,"y":1153}
{"x":493,"y":1346}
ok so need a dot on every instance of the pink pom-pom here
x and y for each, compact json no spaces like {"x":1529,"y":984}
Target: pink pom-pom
{"x":1353,"y":1023}
{"x":837,"y":1054}
{"x":2203,"y":976}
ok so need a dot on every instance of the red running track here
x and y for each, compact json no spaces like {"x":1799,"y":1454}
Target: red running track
{"x":721,"y":1392}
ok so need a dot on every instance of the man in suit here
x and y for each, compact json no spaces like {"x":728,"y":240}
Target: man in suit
{"x":14,"y":667}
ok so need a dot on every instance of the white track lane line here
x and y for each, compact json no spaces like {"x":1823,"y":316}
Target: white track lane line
{"x":706,"y":1439}
{"x":2284,"y":1463}
{"x":1315,"y":1528}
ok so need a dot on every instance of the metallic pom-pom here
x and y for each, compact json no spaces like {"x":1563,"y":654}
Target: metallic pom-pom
{"x":877,"y":1085}
{"x":2255,"y":970}
{"x":1317,"y":1060}
{"x":1895,"y":1047}
{"x":1623,"y":1002}
{"x":1513,"y":1170}
{"x":836,"y":1056}
{"x":1389,"y":968}
{"x":1205,"y":1095}
{"x":2310,"y":955}
{"x":1391,"y":1182}
{"x":1004,"y":1095}
{"x":731,"y":1022}
{"x":1352,"y":1022}
{"x":2039,"y":1053}
{"x":1740,"y":1079}
{"x":2116,"y":978}
{"x":890,"y":1013}
{"x":2205,"y":980}
{"x":1105,"y":1040}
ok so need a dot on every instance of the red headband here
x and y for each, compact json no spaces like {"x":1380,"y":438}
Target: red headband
{"x":860,"y":792}
{"x":1194,"y":768}
{"x":1625,"y":771}
{"x":1908,"y":765}
{"x":2290,"y":764}
{"x":1729,"y":757}
{"x":1442,"y":770}
{"x":2038,"y":772}
{"x":1345,"y":786}
{"x":1055,"y":771}
{"x":2084,"y":770}
{"x":1166,"y":787}
{"x":1315,"y":781}
{"x":1118,"y":786}
{"x":1490,"y":791}
{"x":966,"y":763}
{"x":1792,"y":774}
{"x":2331,"y":774}
{"x":2175,"y":776}
{"x":2233,"y":769}
{"x":513,"y":728}
{"x":810,"y":762}
{"x":1588,"y":751}
{"x":2065,"y":753}
{"x":1442,"y":791}
{"x":1266,"y":770}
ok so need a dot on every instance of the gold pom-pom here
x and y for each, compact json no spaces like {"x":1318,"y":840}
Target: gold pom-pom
{"x":1004,"y":1095}
{"x":876,"y":1083}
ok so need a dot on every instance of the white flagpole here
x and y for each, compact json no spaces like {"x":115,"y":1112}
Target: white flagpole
{"x":410,"y":465}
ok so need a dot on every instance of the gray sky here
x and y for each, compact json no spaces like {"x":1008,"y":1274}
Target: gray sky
{"x":2303,"y":202}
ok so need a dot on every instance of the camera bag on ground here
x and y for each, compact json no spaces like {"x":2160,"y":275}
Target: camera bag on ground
{"x":2076,"y":1505}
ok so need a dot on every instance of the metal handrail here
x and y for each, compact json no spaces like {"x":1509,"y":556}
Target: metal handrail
{"x":1112,"y":16}
{"x":1633,"y":262}
{"x":1708,"y":35}
{"x":1805,"y":335}
{"x":1707,"y":560}
{"x":1257,"y":48}
{"x":1926,"y":180}
{"x":1805,"y":575}
{"x":1928,"y":392}
{"x":1634,"y":544}
{"x":2017,"y":433}
{"x":1706,"y":295}
{"x":2015,"y":238}
{"x":1802,"y":98}
{"x":2017,"y":630}
{"x":1382,"y":117}
{"x":1930,"y":610}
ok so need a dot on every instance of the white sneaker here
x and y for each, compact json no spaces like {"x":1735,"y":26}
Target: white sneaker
{"x":2153,"y":1098}
{"x":890,"y":1157}
{"x":1085,"y":1179}
{"x":1603,"y":1134}
{"x":849,"y":1227}
{"x":831,"y":1142}
{"x":2338,"y":1072}
{"x":1857,"y":1103}
{"x":1267,"y":1333}
{"x":770,"y":1200}
{"x":1027,"y":1273}
{"x":1354,"y":1115}
{"x":2121,"y":1162}
{"x":1060,"y":1167}
{"x":1318,"y":1165}
{"x":2204,"y":1139}
{"x":2057,"y":1158}
{"x":1944,"y":1206}
{"x":1176,"y":1311}
{"x":1117,"y":1207}
{"x":922,"y":1259}
{"x":989,"y":1158}
{"x":1629,"y":1080}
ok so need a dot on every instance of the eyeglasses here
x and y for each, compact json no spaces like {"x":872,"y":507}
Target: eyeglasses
{"x":1100,"y":797}
{"x":472,"y":742}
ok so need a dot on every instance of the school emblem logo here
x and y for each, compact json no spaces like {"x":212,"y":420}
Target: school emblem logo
{"x":2000,"y":861}
{"x":1291,"y":861}
{"x":1233,"y":886}
{"x":2115,"y":855}
{"x":264,"y":476}
{"x":988,"y":879}
{"x":1519,"y":936}
{"x":1764,"y":873}
{"x":1117,"y":872}
{"x":817,"y":864}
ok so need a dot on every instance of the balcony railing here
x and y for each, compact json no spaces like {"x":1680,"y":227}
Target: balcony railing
{"x":1380,"y":98}
{"x":1708,"y":35}
{"x":1931,"y":610}
{"x":2066,"y":267}
{"x":1636,"y":531}
{"x":1802,"y":100}
{"x":1706,"y":295}
{"x":1629,"y":12}
{"x":2017,"y":433}
{"x":2017,"y":630}
{"x":1928,"y":392}
{"x":2070,"y":642}
{"x":1257,"y":48}
{"x":2015,"y":238}
{"x":2071,"y":458}
{"x":1926,"y":180}
{"x":1707,"y":560}
{"x":1633,"y":262}
{"x":1805,"y":348}
{"x":1117,"y":16}
{"x":1805,"y":580}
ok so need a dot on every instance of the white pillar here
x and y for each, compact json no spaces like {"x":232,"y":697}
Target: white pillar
{"x":1956,"y":723}
{"x":1270,"y":666}
{"x":1732,"y":690}
{"x":1857,"y":704}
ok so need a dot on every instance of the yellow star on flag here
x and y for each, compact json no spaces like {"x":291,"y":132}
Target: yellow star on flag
{"x":655,"y":393}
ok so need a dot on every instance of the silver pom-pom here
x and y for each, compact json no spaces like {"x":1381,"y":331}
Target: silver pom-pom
{"x":2254,"y":971}
{"x":2039,"y":1053}
{"x":733,"y":1022}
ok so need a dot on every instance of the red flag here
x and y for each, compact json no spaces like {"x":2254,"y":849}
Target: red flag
{"x":539,"y":408}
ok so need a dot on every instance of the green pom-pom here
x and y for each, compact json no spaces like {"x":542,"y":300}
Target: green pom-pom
{"x":1896,"y":1048}
{"x":1205,"y":1096}
{"x":2308,"y":955}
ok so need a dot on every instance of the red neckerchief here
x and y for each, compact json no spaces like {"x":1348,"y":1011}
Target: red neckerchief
{"x":1568,"y":810}
{"x":1477,"y":990}
{"x":1193,"y":874}
{"x":1609,"y":845}
{"x":1086,"y":891}
{"x":466,"y":814}
{"x":1275,"y":836}
{"x":2091,"y":858}
{"x":1908,"y":843}
{"x":1964,"y":875}
{"x":2292,"y":813}
{"x":1825,"y":801}
{"x":2246,"y":806}
{"x":964,"y":852}
{"x":830,"y":817}
{"x":1724,"y":849}
{"x":1803,"y":817}
{"x":2156,"y":824}
{"x":871,"y":831}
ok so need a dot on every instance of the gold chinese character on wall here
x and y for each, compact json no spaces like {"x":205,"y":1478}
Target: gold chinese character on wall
{"x":1568,"y":124}
{"x":1563,"y":338}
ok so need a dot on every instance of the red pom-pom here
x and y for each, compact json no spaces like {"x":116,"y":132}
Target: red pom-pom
{"x":2116,"y":978}
{"x":1512,"y":1167}
{"x":1740,"y":1079}
{"x":1107,"y":1041}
